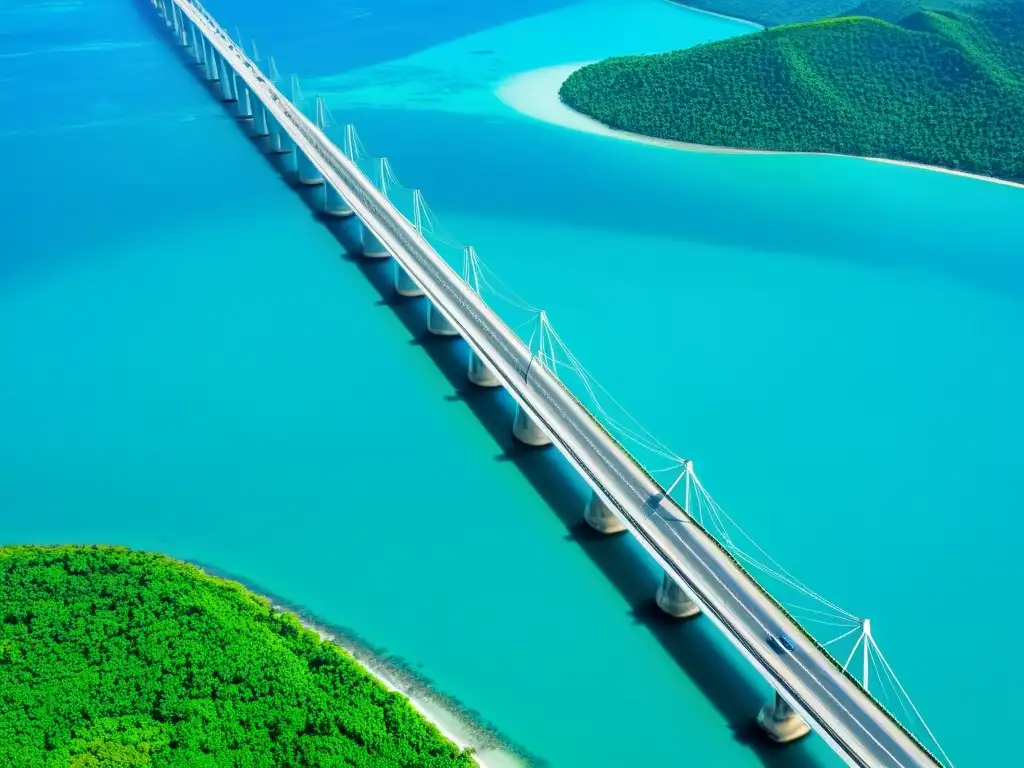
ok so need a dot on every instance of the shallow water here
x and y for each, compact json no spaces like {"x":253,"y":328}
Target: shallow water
{"x":195,"y":367}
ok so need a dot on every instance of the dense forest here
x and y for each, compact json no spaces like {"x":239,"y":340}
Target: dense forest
{"x":110,"y":657}
{"x":942,"y":88}
{"x":771,"y":13}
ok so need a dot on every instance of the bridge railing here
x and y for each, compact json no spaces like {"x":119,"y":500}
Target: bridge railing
{"x":327,"y":150}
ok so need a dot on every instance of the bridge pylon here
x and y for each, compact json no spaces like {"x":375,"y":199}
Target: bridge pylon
{"x":404,"y":284}
{"x":477,"y":371}
{"x":525,"y":427}
{"x":372,"y":246}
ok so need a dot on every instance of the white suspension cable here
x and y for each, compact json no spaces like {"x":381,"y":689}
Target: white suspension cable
{"x":772,"y":560}
{"x":911,"y":702}
{"x":841,"y":637}
{"x":853,"y":650}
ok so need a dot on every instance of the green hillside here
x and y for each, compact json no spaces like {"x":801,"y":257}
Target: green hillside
{"x":942,"y":88}
{"x":771,"y":13}
{"x":116,"y":658}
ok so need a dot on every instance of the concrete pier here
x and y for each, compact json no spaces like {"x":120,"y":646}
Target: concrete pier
{"x":528,"y":431}
{"x":404,"y":285}
{"x":227,"y":85}
{"x":308,"y":173}
{"x":212,"y":70}
{"x":600,"y":517}
{"x":259,"y":117}
{"x":197,"y":47}
{"x":277,"y":143}
{"x":244,"y":104}
{"x":781,"y":722}
{"x":480,"y":373}
{"x":372,"y":247}
{"x":334,"y":203}
{"x":674,"y":601}
{"x":438,"y":324}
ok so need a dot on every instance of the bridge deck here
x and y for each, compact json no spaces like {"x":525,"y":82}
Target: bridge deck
{"x":850,"y":720}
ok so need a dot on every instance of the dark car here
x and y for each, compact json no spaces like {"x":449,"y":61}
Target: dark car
{"x":782,"y":641}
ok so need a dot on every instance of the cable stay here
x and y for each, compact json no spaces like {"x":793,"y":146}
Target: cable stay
{"x":238,"y":39}
{"x":273,"y":73}
{"x":722,"y":525}
{"x":888,"y":691}
{"x":634,"y":431}
{"x":381,"y":176}
{"x":350,"y":142}
{"x":471,"y":269}
{"x":417,"y":207}
{"x":540,"y":346}
{"x":255,"y":52}
{"x":298,"y":99}
{"x":324,"y":119}
{"x":356,"y":149}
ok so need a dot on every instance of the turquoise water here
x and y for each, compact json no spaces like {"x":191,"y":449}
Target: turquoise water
{"x":193,"y":365}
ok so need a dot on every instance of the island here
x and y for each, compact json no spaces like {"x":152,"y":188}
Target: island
{"x":771,"y":13}
{"x":939,"y":87}
{"x":113,"y":657}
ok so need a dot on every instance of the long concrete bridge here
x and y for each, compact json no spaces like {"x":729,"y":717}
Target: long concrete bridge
{"x":812,"y":690}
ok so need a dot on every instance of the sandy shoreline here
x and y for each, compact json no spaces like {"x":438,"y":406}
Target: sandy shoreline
{"x":453,"y":726}
{"x":463,"y":728}
{"x":754,"y":24}
{"x":535,"y":94}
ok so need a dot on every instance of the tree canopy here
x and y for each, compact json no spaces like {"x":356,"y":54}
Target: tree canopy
{"x":772,"y":13}
{"x":111,"y":657}
{"x":942,"y":88}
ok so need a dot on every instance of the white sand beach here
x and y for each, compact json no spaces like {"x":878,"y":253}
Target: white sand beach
{"x":452,"y":726}
{"x":535,"y":94}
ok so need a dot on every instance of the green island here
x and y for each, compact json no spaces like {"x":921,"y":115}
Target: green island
{"x":112,"y":657}
{"x":937,"y":87}
{"x":771,"y":13}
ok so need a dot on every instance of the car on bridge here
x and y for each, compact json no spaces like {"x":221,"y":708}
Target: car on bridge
{"x":780,"y":642}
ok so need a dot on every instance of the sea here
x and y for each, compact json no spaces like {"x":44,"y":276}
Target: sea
{"x":194,"y":363}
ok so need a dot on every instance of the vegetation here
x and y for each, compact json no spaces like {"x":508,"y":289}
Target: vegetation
{"x":110,"y":657}
{"x":771,"y":13}
{"x":941,"y":88}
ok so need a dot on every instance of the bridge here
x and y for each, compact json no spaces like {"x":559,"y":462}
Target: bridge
{"x":703,"y":574}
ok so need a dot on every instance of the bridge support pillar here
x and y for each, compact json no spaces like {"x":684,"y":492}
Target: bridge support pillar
{"x":245,"y":100}
{"x":600,"y":517}
{"x":674,"y":601}
{"x":372,"y":247}
{"x":211,"y":71}
{"x":438,"y":324}
{"x":404,"y":285}
{"x":227,"y":86}
{"x":278,"y":143}
{"x":183,"y":25}
{"x":308,"y":173}
{"x":480,"y":373}
{"x":197,"y":49}
{"x":781,"y":722}
{"x":197,"y":46}
{"x":334,"y":203}
{"x":526,"y":430}
{"x":259,"y":117}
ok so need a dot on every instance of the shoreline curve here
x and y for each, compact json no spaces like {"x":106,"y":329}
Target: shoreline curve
{"x":450,"y":725}
{"x":534,"y":94}
{"x":462,"y":728}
